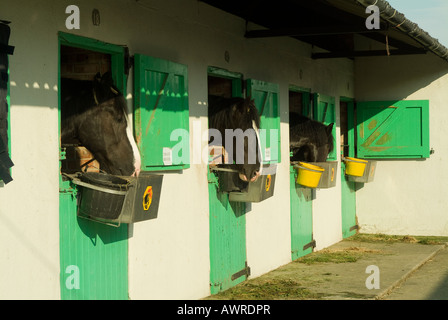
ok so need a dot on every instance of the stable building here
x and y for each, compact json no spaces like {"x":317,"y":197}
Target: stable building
{"x":382,"y":88}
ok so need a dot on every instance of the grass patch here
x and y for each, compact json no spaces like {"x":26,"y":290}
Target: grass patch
{"x":275,"y":289}
{"x":337,"y":256}
{"x":384,"y":238}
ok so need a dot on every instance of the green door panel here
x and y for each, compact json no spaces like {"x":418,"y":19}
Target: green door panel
{"x":348,"y":205}
{"x":93,"y":256}
{"x":348,"y":188}
{"x":266,"y":97}
{"x":301,"y":218}
{"x":227,"y":239}
{"x":325,"y":112}
{"x":161,"y":109}
{"x":393,"y":129}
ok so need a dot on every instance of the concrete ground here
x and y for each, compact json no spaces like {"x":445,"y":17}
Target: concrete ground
{"x":359,"y":270}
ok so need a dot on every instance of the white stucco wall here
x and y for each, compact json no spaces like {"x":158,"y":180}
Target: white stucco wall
{"x":407,"y":197}
{"x":168,"y":256}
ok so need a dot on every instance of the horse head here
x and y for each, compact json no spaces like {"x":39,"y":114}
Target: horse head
{"x":238,"y":121}
{"x":310,"y":140}
{"x":246,"y":117}
{"x":104,"y":88}
{"x":95,"y":116}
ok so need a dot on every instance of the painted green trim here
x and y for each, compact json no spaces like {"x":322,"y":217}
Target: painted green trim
{"x":351,"y":127}
{"x":8,"y":102}
{"x":295,"y":88}
{"x":236,"y":77}
{"x":116,"y":52}
{"x":306,"y":96}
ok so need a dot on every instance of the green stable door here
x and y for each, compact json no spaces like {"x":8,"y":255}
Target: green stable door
{"x":228,"y":262}
{"x":93,"y":256}
{"x":301,"y":198}
{"x":348,"y":188}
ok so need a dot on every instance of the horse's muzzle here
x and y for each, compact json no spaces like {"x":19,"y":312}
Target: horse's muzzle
{"x":253,"y":179}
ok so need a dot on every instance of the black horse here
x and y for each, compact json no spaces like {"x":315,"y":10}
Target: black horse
{"x":237,"y":121}
{"x":309,"y":140}
{"x":93,"y":115}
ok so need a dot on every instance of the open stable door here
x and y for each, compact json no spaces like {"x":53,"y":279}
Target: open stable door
{"x":228,"y":263}
{"x":161,"y":113}
{"x":393,"y":129}
{"x":266,"y":99}
{"x":93,"y":256}
{"x":348,"y":188}
{"x":301,"y":198}
{"x":325,"y":112}
{"x":396,"y":129}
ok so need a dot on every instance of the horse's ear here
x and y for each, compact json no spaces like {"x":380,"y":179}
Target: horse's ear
{"x":97,"y":77}
{"x":107,"y":78}
{"x":329,"y":129}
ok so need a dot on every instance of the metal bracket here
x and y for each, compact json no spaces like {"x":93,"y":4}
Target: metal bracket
{"x":243,"y":272}
{"x":63,"y":154}
{"x":312,"y":244}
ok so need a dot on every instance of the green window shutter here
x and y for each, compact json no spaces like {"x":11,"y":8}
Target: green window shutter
{"x":161,"y":113}
{"x":266,"y":100}
{"x":393,"y":129}
{"x":325,"y":112}
{"x":5,"y":123}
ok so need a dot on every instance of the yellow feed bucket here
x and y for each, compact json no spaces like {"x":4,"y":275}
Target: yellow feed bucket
{"x":308,"y":175}
{"x":355,"y":167}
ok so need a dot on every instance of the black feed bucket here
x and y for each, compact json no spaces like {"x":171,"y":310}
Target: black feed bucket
{"x":102,"y":195}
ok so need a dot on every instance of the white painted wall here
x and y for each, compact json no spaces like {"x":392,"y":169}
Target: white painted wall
{"x":407,"y":197}
{"x":168,"y":256}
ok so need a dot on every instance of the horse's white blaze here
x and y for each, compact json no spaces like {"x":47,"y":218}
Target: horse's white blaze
{"x":260,"y":169}
{"x":259,"y":150}
{"x":136,"y":152}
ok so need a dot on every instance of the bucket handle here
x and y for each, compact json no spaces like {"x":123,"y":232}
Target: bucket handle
{"x":91,"y":186}
{"x":350,"y":160}
{"x":309,"y":169}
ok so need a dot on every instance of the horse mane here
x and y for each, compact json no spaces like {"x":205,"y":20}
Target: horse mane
{"x":232,"y":113}
{"x":301,"y":126}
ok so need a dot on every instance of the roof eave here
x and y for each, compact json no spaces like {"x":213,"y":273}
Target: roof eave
{"x":400,"y":22}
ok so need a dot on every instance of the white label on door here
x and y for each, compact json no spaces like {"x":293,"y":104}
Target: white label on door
{"x":167,"y":156}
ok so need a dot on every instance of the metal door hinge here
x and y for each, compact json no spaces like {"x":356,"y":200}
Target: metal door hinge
{"x":312,"y":244}
{"x":243,"y":272}
{"x":216,"y":284}
{"x":62,"y":154}
{"x":69,"y":190}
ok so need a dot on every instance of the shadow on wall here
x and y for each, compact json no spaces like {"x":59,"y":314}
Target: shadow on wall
{"x":396,"y":77}
{"x":39,"y":93}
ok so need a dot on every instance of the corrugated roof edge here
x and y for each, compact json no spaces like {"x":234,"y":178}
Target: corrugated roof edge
{"x":399,"y":21}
